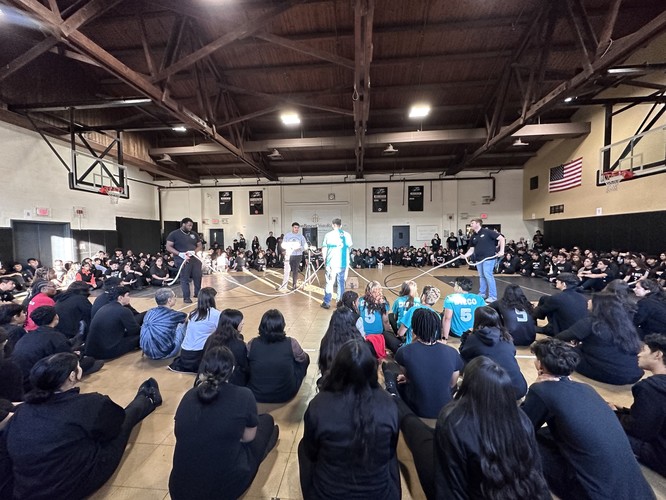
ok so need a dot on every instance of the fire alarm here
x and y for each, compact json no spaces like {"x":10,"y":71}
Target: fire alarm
{"x":331,"y":196}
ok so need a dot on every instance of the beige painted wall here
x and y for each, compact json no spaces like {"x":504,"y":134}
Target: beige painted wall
{"x":643,"y":194}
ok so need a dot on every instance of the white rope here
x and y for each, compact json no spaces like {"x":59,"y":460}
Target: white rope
{"x":233,"y":281}
{"x":431,"y":270}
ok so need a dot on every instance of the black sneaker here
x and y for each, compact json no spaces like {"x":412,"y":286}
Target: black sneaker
{"x":97,"y":366}
{"x":151,"y":390}
{"x":390,"y":380}
{"x":187,"y":301}
{"x":324,"y":305}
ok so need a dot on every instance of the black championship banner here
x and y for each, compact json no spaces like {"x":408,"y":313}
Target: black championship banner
{"x":256,"y":202}
{"x":226,"y":203}
{"x":415,"y":198}
{"x":379,"y":199}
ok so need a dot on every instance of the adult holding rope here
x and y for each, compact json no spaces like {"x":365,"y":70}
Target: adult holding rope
{"x":183,"y":243}
{"x":335,"y":251}
{"x":483,"y":245}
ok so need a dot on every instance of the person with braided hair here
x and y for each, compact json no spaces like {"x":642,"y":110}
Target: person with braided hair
{"x":220,"y":438}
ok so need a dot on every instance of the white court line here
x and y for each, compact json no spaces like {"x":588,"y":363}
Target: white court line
{"x":524,"y":287}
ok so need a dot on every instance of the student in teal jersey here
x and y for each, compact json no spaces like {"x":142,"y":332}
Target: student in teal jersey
{"x":373,"y":309}
{"x":429,"y":298}
{"x":406,"y":299}
{"x":459,"y":308}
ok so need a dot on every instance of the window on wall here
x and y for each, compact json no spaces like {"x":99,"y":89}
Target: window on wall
{"x":534,"y":183}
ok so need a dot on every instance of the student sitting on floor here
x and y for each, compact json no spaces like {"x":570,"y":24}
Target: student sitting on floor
{"x":491,"y":339}
{"x":201,"y":323}
{"x":63,"y":444}
{"x":645,"y":421}
{"x":163,"y":328}
{"x":483,"y":445}
{"x":12,"y":319}
{"x":74,"y":308}
{"x":220,"y":439}
{"x":228,"y":334}
{"x":45,"y":341}
{"x":430,"y":369}
{"x":562,"y":309}
{"x":517,"y":314}
{"x":607,"y":342}
{"x":114,"y":330}
{"x":584,"y":451}
{"x":349,"y":443}
{"x":341,"y":328}
{"x":459,"y":307}
{"x":277,"y":363}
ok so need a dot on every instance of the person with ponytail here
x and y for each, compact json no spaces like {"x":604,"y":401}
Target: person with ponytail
{"x":351,"y":430}
{"x":220,"y":439}
{"x":63,"y":444}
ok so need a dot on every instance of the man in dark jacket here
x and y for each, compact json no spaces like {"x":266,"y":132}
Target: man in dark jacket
{"x":114,"y":331}
{"x":73,"y":308}
{"x":562,"y":309}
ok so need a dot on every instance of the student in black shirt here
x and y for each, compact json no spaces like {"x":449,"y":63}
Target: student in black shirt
{"x":584,"y":451}
{"x":645,"y":421}
{"x":350,"y":436}
{"x":220,"y":439}
{"x":650,"y":314}
{"x":63,"y":444}
{"x":517,"y":315}
{"x":562,"y":309}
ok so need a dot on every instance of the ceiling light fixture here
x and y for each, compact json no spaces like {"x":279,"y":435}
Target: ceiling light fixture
{"x":419,"y":111}
{"x":519,"y":143}
{"x":179,"y":128}
{"x":139,"y":100}
{"x":275,"y":155}
{"x":568,"y":99}
{"x":390,"y":150}
{"x":290,"y":118}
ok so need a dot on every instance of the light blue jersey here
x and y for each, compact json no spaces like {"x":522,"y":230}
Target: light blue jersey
{"x":407,"y":320}
{"x":337,"y":244}
{"x":400,"y":307}
{"x":463,"y":306}
{"x":372,"y":320}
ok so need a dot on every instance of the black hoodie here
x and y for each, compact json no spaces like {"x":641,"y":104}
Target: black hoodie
{"x":72,"y":308}
{"x":645,"y":422}
{"x":486,"y":342}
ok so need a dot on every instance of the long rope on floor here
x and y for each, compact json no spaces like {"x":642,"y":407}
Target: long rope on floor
{"x":428,"y":271}
{"x":306,"y":282}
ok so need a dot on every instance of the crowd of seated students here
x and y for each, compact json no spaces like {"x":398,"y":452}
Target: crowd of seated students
{"x":351,"y":412}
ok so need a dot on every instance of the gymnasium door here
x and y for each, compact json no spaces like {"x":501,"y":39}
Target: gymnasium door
{"x":44,"y":241}
{"x":216,"y":236}
{"x":400,"y":236}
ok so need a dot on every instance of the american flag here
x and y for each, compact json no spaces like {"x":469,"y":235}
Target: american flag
{"x":566,"y":176}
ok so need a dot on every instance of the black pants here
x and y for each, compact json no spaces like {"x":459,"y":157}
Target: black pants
{"x":111,"y":452}
{"x":191,"y":272}
{"x":420,"y":440}
{"x":559,"y":473}
{"x":392,"y":342}
{"x":263,"y":443}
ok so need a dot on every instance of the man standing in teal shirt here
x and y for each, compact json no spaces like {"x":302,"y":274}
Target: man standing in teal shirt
{"x":335,"y":250}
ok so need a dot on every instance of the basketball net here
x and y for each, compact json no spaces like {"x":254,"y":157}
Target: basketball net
{"x":112,"y":192}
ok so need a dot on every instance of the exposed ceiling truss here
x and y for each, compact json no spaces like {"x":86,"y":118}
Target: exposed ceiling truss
{"x":492,"y":74}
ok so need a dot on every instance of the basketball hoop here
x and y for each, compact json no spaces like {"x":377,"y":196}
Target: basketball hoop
{"x":613,"y":178}
{"x":112,"y":192}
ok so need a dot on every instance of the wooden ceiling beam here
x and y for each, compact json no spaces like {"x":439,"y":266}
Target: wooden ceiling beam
{"x":137,"y":81}
{"x":617,"y":52}
{"x":304,"y":48}
{"x":241,"y":31}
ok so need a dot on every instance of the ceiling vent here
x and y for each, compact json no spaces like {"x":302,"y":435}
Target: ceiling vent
{"x":389,"y":151}
{"x":275,"y":155}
